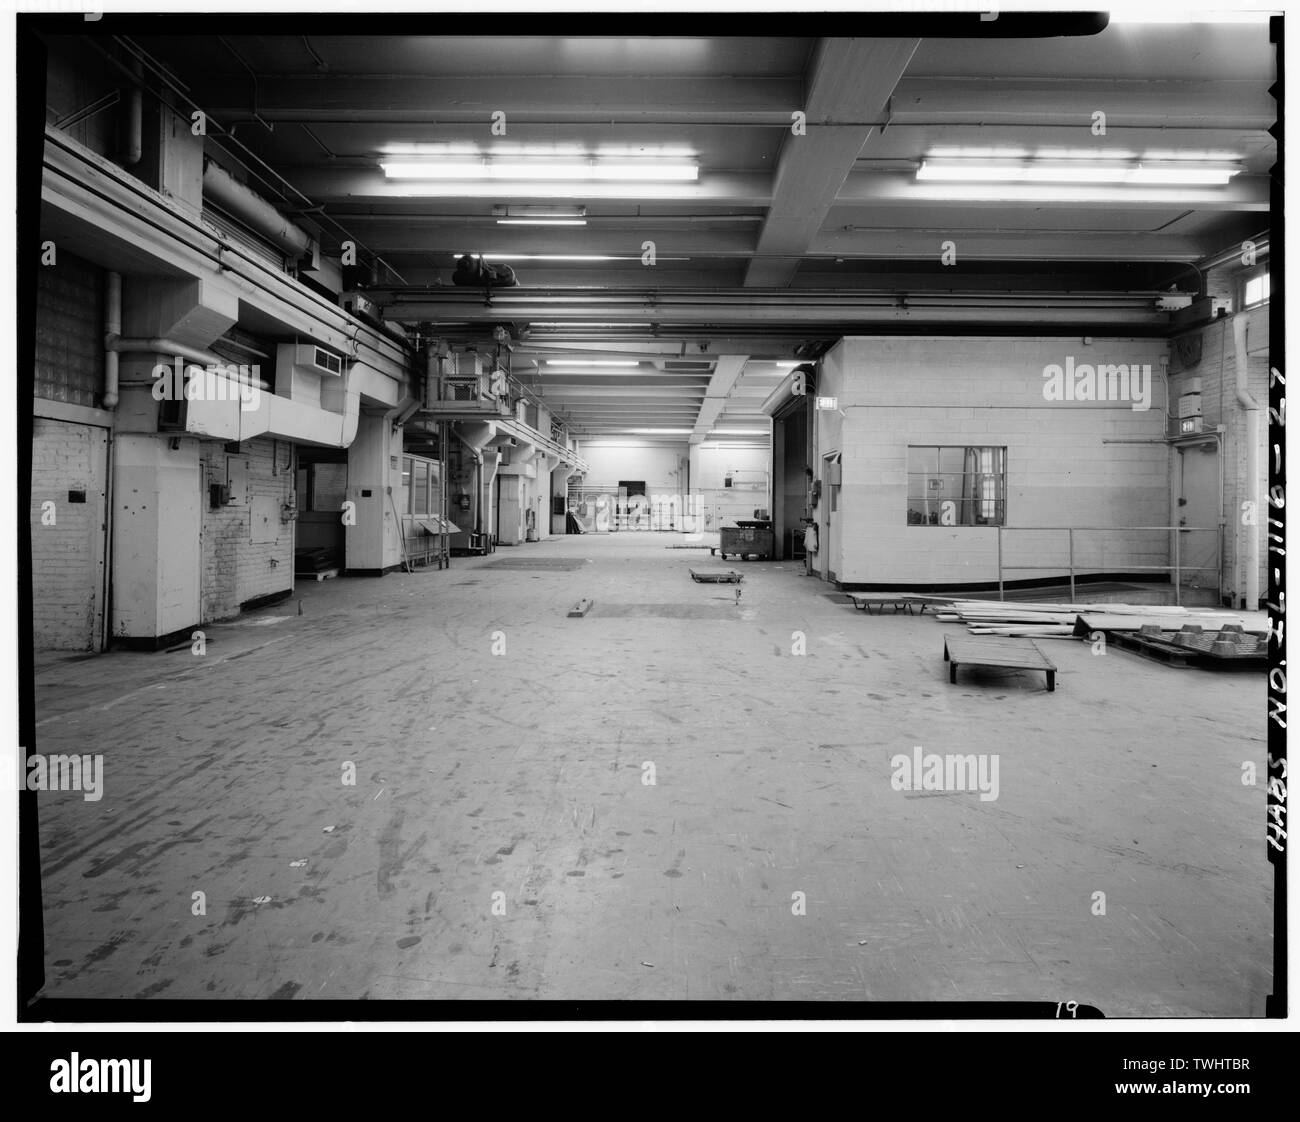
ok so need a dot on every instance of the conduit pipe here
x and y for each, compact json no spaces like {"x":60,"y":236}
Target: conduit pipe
{"x":1240,"y":325}
{"x":112,"y":331}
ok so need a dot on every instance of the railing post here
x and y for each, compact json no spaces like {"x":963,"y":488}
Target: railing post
{"x":1001,"y":595}
{"x":1178,"y":564}
{"x":1070,"y":532}
{"x":1218,"y":583}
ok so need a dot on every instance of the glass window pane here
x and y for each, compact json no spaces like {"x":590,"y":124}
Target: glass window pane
{"x":420,"y":491}
{"x":956,"y":485}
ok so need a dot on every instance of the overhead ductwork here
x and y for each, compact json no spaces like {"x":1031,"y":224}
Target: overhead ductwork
{"x":256,"y":213}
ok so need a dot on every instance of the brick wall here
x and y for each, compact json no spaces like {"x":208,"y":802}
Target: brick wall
{"x":69,"y":331}
{"x":235,"y":568}
{"x":67,"y":556}
{"x":897,"y":392}
{"x":1218,"y":373}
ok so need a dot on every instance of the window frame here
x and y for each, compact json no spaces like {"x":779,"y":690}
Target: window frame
{"x":980,"y":498}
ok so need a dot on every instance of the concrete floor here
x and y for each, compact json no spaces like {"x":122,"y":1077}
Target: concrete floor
{"x":521,"y":773}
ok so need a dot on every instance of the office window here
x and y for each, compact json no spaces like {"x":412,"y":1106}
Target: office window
{"x":419,"y":487}
{"x":1256,"y":290}
{"x":956,"y":485}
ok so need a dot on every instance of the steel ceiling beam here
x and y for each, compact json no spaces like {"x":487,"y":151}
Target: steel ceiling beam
{"x":849,"y":79}
{"x":524,"y":98}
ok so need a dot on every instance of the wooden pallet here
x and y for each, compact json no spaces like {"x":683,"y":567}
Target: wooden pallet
{"x":1156,"y":649}
{"x":1011,"y":654}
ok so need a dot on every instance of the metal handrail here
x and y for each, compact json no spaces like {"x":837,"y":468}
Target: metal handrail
{"x":1177,"y":568}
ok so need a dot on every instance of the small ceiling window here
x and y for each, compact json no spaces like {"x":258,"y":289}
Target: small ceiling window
{"x":1256,"y":290}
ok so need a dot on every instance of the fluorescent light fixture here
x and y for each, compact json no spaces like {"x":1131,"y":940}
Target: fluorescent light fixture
{"x":590,"y":362}
{"x":739,"y":432}
{"x":660,"y":432}
{"x":563,"y":257}
{"x":548,"y":257}
{"x":1172,"y":173}
{"x":541,"y":221}
{"x":788,"y":363}
{"x":572,"y":171}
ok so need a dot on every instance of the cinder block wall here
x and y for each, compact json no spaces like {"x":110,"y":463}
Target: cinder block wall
{"x":235,"y":568}
{"x":897,"y":392}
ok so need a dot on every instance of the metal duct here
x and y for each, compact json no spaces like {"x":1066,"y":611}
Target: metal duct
{"x":254,"y":211}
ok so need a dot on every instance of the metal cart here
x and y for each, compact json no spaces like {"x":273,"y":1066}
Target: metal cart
{"x":747,"y":539}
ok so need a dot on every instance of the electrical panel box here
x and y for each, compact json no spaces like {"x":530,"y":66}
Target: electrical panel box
{"x":1189,"y":405}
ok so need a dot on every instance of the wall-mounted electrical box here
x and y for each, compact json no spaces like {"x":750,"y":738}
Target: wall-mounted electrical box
{"x":1189,"y":405}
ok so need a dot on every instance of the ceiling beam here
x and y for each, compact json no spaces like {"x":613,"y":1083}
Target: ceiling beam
{"x":724,"y":379}
{"x":486,"y":237}
{"x":849,"y":79}
{"x":524,"y":98}
{"x":846,"y":241}
{"x":1006,"y":245}
{"x":701,"y":314}
{"x":1242,"y":105}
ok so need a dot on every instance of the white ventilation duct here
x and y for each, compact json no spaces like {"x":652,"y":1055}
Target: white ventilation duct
{"x":254,"y":211}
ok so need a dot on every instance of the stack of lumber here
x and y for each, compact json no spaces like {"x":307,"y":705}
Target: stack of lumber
{"x":990,"y":617}
{"x":1063,"y":621}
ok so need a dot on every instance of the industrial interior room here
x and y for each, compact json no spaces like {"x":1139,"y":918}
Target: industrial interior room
{"x":591,"y":514}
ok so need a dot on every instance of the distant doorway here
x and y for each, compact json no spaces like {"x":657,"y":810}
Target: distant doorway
{"x":633,"y":510}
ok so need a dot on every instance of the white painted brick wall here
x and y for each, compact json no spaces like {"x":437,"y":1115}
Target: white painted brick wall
{"x":234,"y":569}
{"x":66,"y":573}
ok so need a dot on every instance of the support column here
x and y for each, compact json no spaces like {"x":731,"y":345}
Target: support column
{"x":372,"y":545}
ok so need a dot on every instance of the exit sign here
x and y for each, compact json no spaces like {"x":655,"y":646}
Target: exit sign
{"x":828,"y":403}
